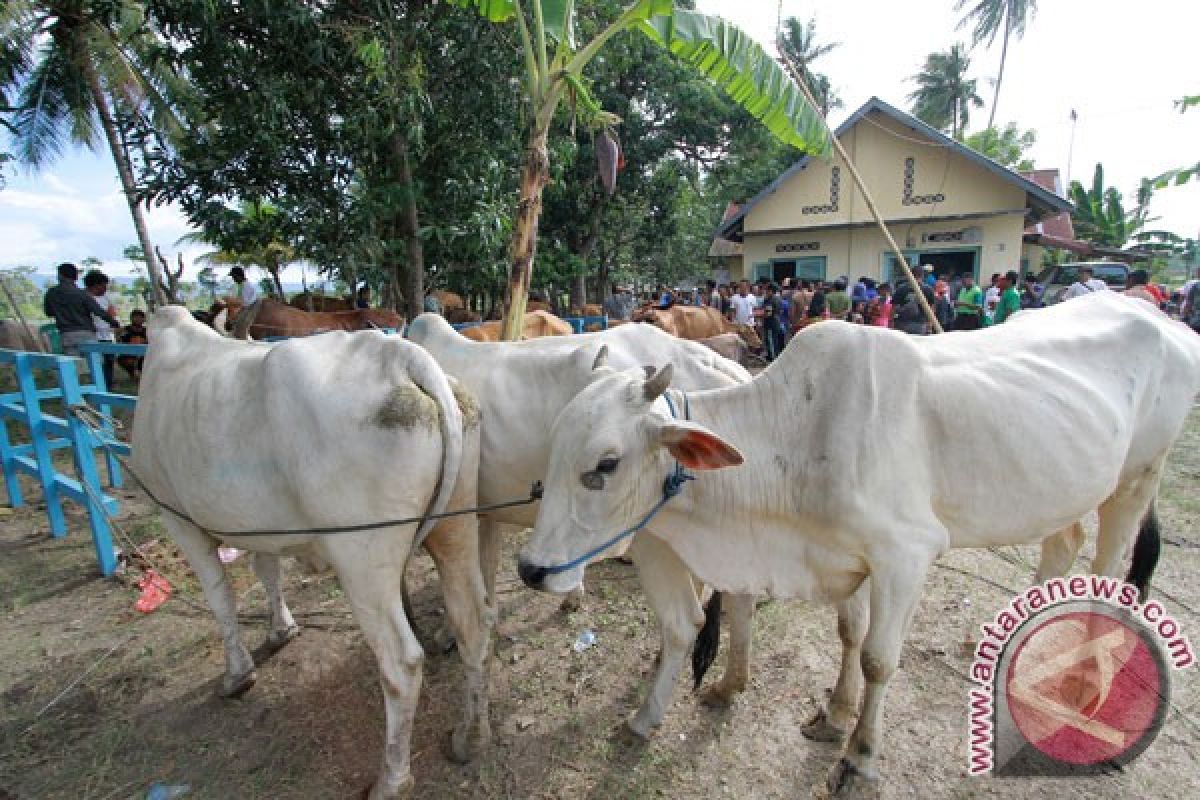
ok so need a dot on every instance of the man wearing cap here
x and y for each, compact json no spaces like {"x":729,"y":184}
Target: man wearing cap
{"x":72,"y":310}
{"x":247,"y":291}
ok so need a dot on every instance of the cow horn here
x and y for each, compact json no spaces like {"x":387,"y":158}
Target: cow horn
{"x":657,"y":383}
{"x":601,"y":358}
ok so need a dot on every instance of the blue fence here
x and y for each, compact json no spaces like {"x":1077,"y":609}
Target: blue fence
{"x":50,"y":432}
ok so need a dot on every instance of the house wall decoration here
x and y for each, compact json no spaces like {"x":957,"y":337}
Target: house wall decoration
{"x":909,"y":199}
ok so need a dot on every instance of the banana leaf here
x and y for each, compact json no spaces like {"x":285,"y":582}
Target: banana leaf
{"x":736,"y":63}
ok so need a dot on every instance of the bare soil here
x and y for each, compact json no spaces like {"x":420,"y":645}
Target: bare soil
{"x":140,"y":703}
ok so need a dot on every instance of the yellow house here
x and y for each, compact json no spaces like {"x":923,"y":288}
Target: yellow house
{"x":945,"y":204}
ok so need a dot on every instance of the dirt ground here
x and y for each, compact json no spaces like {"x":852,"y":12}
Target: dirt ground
{"x":140,"y":702}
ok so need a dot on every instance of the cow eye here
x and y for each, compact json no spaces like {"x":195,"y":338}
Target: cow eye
{"x":607,"y":466}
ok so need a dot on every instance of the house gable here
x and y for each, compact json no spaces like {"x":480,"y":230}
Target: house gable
{"x":911,"y":176}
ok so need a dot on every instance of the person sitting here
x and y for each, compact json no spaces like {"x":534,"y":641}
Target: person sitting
{"x":134,"y":333}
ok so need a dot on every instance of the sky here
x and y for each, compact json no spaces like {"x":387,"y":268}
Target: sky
{"x":1120,"y":71}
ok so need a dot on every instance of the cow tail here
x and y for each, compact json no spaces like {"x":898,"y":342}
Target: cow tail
{"x":427,"y":375}
{"x":1146,"y":550}
{"x":708,"y":641}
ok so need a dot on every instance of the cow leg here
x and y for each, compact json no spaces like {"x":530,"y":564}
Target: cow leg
{"x":895,"y":588}
{"x":455,"y":551}
{"x":832,"y":724}
{"x":201,"y":552}
{"x":671,"y":594}
{"x":491,"y":539}
{"x":1059,"y":552}
{"x":1121,"y":517}
{"x":370,"y":569}
{"x":740,"y":610}
{"x":269,"y":569}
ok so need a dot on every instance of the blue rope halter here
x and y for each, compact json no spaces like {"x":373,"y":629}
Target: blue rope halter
{"x":672,"y":486}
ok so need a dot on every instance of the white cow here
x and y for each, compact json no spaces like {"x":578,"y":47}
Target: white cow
{"x":996,"y":437}
{"x":521,"y":388}
{"x":327,"y":431}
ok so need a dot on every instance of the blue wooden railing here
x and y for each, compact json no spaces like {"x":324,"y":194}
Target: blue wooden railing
{"x":49,"y":432}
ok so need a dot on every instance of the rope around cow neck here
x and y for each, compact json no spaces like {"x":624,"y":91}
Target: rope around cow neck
{"x":672,"y":486}
{"x":89,"y":416}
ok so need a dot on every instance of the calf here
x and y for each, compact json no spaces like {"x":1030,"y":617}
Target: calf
{"x":383,"y":439}
{"x":817,"y":508}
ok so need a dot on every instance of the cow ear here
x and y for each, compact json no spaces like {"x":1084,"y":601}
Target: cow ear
{"x":601,"y":358}
{"x":697,"y":448}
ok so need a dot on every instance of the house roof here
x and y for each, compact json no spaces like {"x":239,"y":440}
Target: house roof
{"x":1042,"y":202}
{"x":1057,"y":226}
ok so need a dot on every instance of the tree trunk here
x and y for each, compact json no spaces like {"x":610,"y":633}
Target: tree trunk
{"x":534,"y":175}
{"x":1000,"y":74}
{"x":125,"y":172}
{"x":578,"y":292}
{"x":414,"y":274}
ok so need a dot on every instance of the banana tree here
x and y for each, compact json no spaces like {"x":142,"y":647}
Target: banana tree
{"x":554,"y":71}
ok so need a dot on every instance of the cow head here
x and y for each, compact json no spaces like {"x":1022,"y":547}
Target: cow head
{"x":612,"y":447}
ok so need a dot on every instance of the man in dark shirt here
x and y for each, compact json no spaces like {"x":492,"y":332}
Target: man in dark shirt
{"x":773,"y":322}
{"x":72,"y":308}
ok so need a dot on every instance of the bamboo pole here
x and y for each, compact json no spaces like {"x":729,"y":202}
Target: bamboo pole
{"x":797,"y":76}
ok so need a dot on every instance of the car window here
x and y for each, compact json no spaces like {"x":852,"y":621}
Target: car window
{"x":1112,"y":275}
{"x":1067,"y":275}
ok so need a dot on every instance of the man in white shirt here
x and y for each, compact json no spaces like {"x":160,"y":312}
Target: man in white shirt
{"x":1086,"y":284}
{"x":247,"y":291}
{"x":743,"y":305}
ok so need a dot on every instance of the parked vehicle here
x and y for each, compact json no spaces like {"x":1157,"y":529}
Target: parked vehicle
{"x":1055,"y":280}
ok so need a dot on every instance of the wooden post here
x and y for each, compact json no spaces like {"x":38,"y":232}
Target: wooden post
{"x":866,"y":193}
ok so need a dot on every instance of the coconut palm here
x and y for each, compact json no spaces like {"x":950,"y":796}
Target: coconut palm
{"x":944,"y":94}
{"x":77,"y":67}
{"x":988,"y":18}
{"x":798,"y":41}
{"x":254,"y":235}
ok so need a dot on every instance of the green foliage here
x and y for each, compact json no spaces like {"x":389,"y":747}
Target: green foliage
{"x":988,"y":18}
{"x":944,"y":95}
{"x":799,"y":42}
{"x":19,"y":281}
{"x":1006,"y":147}
{"x":1100,"y":216}
{"x":1179,"y":175}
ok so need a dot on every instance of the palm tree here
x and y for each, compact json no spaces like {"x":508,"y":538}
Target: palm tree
{"x":74,"y":63}
{"x":253,"y":235}
{"x":1100,"y":216}
{"x":798,"y":42}
{"x":990,"y":17}
{"x":944,"y":95}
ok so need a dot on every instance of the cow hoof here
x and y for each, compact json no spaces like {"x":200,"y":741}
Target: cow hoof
{"x":820,"y":729}
{"x":401,"y":791}
{"x":720,"y":696}
{"x":635,"y":730}
{"x":277,"y":639}
{"x":847,"y":782}
{"x":232,"y":687}
{"x":572,"y":602}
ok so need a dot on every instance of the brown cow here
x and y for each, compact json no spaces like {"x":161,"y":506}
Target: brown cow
{"x":730,"y":345}
{"x":449,"y":300}
{"x":537,"y":325}
{"x":686,"y":322}
{"x":321,"y":302}
{"x":272,"y":318}
{"x":456,"y":316}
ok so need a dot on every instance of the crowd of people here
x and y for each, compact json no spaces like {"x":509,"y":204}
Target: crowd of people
{"x":779,"y":310}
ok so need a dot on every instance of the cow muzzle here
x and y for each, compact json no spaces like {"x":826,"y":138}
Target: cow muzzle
{"x":533,"y":576}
